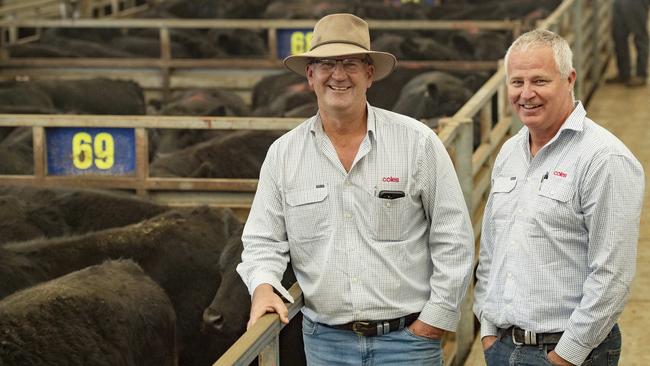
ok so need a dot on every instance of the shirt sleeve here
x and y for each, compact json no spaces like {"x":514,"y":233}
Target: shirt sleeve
{"x":266,"y":249}
{"x":451,"y":238}
{"x":611,"y":195}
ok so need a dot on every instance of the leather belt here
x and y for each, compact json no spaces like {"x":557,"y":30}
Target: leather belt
{"x":522,"y":337}
{"x":370,"y":328}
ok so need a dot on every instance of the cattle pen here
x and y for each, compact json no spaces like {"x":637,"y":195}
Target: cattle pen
{"x":584,"y":23}
{"x":161,"y":75}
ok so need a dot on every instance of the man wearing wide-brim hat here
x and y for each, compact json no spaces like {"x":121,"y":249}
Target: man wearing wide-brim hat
{"x":366,"y":205}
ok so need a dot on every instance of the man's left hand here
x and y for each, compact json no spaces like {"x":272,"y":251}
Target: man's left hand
{"x":555,"y":359}
{"x":425,"y":330}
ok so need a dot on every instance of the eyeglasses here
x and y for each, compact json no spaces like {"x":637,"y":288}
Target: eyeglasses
{"x":350,"y":65}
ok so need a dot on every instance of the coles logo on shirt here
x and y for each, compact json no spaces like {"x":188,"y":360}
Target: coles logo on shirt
{"x":390,"y":179}
{"x":559,"y":174}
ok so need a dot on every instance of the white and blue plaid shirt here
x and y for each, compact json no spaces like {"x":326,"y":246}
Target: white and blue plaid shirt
{"x":357,"y":256}
{"x":560,"y":230}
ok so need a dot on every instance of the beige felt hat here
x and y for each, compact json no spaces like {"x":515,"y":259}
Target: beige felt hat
{"x":341,"y":35}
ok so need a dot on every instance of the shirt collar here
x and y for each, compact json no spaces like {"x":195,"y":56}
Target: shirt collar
{"x":316,"y":124}
{"x":575,"y":122}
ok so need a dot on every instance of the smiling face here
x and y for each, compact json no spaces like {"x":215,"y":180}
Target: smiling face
{"x":539,"y":95}
{"x":339,"y":91}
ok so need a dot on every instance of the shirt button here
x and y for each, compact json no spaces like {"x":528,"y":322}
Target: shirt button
{"x":347,"y":215}
{"x":348,"y":183}
{"x":355,"y":280}
{"x":387,"y":204}
{"x":509,"y":275}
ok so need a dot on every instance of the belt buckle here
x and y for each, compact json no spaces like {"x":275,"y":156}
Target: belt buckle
{"x":360,"y":327}
{"x":514,"y":339}
{"x":530,"y":338}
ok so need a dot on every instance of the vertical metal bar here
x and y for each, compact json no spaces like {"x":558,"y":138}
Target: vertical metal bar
{"x":485,"y":122}
{"x":273,"y":43}
{"x":270,"y":355}
{"x":38,"y":147}
{"x":165,"y":57}
{"x":115,"y":7}
{"x":141,"y":160}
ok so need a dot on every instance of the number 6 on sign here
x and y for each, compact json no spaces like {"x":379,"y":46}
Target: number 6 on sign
{"x":300,"y":42}
{"x":83,"y":147}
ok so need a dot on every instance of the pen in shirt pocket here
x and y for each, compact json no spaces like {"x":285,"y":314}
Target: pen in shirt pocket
{"x":544,"y":177}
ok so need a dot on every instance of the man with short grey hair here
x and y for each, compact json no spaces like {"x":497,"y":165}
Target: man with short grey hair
{"x":561,"y":225}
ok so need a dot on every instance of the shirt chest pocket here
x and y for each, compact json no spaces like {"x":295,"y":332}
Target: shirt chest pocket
{"x":554,"y":204}
{"x":554,"y":208}
{"x":390,"y":218}
{"x":503,"y":200}
{"x":307,"y":214}
{"x":558,"y":192}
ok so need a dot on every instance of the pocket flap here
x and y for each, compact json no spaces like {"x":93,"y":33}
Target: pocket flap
{"x":306,"y":196}
{"x":557,"y":191}
{"x":504,"y":184}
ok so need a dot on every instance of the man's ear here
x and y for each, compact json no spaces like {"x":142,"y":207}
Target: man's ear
{"x":371,"y":75}
{"x":309,"y":72}
{"x":572,"y":78}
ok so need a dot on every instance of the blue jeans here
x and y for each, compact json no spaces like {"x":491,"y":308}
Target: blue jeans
{"x":505,"y":353}
{"x":326,"y":346}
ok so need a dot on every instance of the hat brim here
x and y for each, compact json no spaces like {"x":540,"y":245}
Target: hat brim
{"x":383,"y":62}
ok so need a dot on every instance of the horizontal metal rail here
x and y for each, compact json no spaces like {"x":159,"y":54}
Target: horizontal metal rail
{"x":260,"y":24}
{"x":262,"y":335}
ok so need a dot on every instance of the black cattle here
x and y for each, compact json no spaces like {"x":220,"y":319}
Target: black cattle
{"x":384,"y":93}
{"x":180,"y":250}
{"x":432,"y":94}
{"x":290,"y":103}
{"x":138,"y":46}
{"x":16,"y":98}
{"x":301,"y":9}
{"x":37,"y":49}
{"x":16,"y":155}
{"x":390,"y":42}
{"x":228,"y":313}
{"x":283,"y":95}
{"x":194,"y":41}
{"x":28,"y":213}
{"x":95,"y":96}
{"x":89,"y":96}
{"x":481,"y":45}
{"x":82,"y":47}
{"x":197,"y":102}
{"x":110,"y":314}
{"x":205,"y":102}
{"x":238,"y":42}
{"x":269,"y":87}
{"x":238,"y":154}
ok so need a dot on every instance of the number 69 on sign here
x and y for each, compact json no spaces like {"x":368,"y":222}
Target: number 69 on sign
{"x":90,"y":151}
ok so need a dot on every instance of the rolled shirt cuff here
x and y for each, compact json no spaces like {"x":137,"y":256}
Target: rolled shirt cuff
{"x":488,"y":329}
{"x":439,"y":317}
{"x":572,"y":351}
{"x":277,"y":285}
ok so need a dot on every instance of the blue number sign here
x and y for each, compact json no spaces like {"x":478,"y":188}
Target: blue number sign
{"x":293,"y":41}
{"x":90,"y":151}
